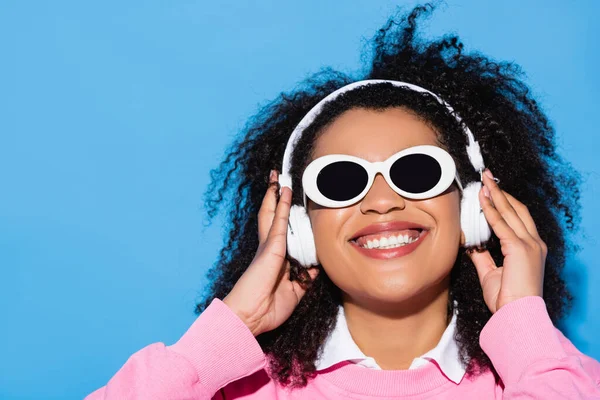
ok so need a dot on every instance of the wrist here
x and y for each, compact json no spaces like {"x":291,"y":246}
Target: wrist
{"x":505,"y":301}
{"x":242,"y":316}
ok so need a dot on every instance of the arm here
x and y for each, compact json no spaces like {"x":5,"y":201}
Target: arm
{"x":217,"y":349}
{"x":533,"y":358}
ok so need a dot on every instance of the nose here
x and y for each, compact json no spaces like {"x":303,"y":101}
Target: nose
{"x":381,"y":198}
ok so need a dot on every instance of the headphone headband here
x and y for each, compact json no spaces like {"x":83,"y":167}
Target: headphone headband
{"x":473,"y":150}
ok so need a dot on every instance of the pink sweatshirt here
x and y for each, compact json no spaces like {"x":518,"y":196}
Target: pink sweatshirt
{"x":218,"y":358}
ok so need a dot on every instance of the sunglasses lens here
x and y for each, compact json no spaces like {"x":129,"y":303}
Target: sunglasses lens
{"x":416,"y":173}
{"x":342,"y":180}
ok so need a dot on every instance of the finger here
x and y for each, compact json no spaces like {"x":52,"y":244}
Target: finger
{"x":279,"y":227}
{"x":524,"y":214}
{"x":495,"y":219}
{"x":267,"y":209}
{"x":275,"y":243}
{"x":484,"y":263}
{"x":506,"y":210}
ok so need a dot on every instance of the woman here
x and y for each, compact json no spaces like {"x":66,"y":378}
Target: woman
{"x":404,"y":268}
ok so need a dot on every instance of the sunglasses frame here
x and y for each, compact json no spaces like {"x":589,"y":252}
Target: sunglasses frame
{"x":444,"y":159}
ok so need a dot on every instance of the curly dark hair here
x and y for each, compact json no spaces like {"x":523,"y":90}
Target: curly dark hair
{"x":517,"y":143}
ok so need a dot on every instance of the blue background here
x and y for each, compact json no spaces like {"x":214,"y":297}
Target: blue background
{"x":112,"y":114}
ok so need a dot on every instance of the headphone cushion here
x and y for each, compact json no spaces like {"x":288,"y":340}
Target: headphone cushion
{"x":472,"y":220}
{"x":300,"y":238}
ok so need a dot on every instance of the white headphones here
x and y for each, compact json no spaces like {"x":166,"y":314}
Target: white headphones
{"x":300,"y":239}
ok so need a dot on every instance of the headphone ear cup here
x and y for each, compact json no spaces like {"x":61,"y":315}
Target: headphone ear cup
{"x":300,"y":239}
{"x":472,"y":220}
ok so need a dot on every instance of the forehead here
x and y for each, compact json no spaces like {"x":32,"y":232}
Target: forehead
{"x":373,"y":135}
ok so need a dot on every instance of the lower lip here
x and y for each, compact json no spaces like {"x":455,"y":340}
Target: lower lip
{"x":386,"y":254}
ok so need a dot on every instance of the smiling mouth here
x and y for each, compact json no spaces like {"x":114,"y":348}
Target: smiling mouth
{"x":389,"y":240}
{"x":389,"y":245}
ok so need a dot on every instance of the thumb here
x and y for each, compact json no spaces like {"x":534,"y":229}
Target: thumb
{"x":484,"y":263}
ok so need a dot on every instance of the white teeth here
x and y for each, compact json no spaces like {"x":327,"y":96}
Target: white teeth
{"x":390,"y":242}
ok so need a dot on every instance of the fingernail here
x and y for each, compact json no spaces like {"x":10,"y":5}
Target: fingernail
{"x":488,"y":173}
{"x":272,"y":175}
{"x":486,"y":192}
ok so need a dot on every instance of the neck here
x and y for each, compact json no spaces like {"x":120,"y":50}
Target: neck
{"x":395,"y":334}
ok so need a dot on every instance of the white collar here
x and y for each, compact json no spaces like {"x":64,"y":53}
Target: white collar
{"x":339,"y":346}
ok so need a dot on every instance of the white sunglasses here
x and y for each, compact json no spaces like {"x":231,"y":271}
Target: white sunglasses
{"x":419,"y":172}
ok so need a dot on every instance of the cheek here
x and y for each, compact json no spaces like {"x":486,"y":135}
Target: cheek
{"x":330,"y":230}
{"x":446,"y":238}
{"x":327,"y":225}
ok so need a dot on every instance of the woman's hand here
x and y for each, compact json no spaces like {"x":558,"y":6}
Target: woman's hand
{"x":524,"y":251}
{"x":264,"y":297}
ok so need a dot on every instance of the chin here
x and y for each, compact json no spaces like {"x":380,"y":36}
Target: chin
{"x":391,"y":290}
{"x":396,"y":288}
